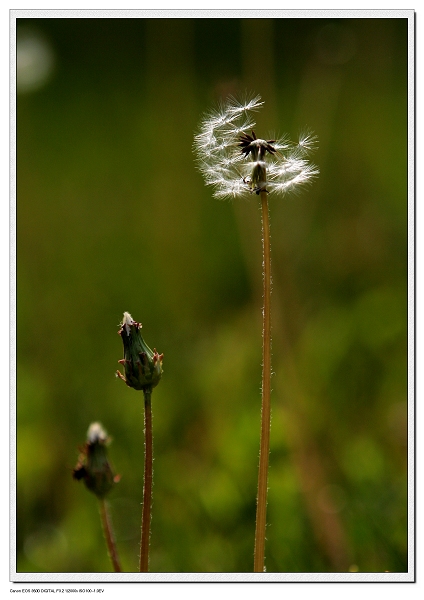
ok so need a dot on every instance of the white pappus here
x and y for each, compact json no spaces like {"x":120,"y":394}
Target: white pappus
{"x":237,"y":163}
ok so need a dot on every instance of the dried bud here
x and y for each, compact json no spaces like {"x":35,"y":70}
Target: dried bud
{"x":93,"y":465}
{"x":143,"y":368}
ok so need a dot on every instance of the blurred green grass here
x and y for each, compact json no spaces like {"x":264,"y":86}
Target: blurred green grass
{"x":112,"y":216}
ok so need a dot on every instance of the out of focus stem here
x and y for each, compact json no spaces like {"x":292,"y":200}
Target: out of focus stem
{"x":108,"y":533}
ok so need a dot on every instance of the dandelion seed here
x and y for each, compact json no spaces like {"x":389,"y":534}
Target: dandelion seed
{"x":237,"y":163}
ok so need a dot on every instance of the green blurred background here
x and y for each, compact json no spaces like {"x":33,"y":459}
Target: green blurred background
{"x":112,"y":216}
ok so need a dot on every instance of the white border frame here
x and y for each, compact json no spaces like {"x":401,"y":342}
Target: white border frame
{"x":220,"y":577}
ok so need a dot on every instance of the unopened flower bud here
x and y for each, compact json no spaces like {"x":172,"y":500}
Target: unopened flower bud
{"x":93,"y":465}
{"x":142,"y":366}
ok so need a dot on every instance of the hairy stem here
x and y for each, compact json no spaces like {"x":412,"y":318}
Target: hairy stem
{"x":259,"y":559}
{"x":148,"y":482}
{"x":108,"y":532}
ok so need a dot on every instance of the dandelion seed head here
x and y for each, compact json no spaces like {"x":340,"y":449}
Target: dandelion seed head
{"x":237,"y":163}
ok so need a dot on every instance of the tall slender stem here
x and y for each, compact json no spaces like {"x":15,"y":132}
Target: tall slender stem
{"x":148,"y":482}
{"x":259,"y":559}
{"x":108,"y":532}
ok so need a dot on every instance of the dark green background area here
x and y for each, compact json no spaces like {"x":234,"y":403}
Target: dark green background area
{"x":113,"y":216}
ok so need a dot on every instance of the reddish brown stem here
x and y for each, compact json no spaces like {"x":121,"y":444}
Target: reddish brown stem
{"x":108,"y":532}
{"x":259,"y":559}
{"x":148,"y":482}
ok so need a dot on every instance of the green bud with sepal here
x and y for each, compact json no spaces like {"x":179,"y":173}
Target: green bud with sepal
{"x":142,"y":366}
